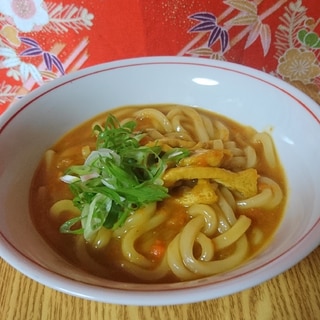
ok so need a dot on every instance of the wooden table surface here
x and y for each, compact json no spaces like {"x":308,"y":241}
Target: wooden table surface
{"x":295,"y":294}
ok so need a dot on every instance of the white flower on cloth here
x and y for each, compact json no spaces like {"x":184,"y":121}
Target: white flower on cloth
{"x":25,"y":14}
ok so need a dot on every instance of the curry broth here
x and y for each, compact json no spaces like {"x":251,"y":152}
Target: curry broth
{"x":46,"y":189}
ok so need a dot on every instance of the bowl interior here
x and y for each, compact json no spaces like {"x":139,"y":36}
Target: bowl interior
{"x":247,"y":96}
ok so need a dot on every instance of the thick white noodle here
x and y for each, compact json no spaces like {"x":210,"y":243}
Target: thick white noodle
{"x":268,"y":149}
{"x":268,"y":198}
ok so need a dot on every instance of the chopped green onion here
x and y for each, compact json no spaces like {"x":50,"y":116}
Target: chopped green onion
{"x":117,"y":178}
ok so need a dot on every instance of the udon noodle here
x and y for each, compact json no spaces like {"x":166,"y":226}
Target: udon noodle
{"x":226,"y":199}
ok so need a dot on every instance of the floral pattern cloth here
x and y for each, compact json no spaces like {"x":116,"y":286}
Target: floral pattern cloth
{"x":41,"y":40}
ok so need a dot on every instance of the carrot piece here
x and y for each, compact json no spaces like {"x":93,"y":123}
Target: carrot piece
{"x":158,"y":249}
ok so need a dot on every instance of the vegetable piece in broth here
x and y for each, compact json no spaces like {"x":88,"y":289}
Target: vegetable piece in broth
{"x":117,"y":178}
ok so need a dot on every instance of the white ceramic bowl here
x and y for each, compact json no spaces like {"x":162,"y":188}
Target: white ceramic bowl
{"x":246,"y":95}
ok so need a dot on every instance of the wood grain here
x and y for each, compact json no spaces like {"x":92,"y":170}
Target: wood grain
{"x":293,"y":295}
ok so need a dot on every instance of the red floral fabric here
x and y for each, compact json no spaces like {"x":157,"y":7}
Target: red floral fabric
{"x":41,"y":40}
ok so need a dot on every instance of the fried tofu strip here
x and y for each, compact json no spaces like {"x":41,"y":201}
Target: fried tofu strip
{"x":206,"y":158}
{"x":245,"y":182}
{"x":203,"y":192}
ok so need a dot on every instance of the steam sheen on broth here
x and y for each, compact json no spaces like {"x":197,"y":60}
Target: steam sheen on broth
{"x":226,"y":199}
